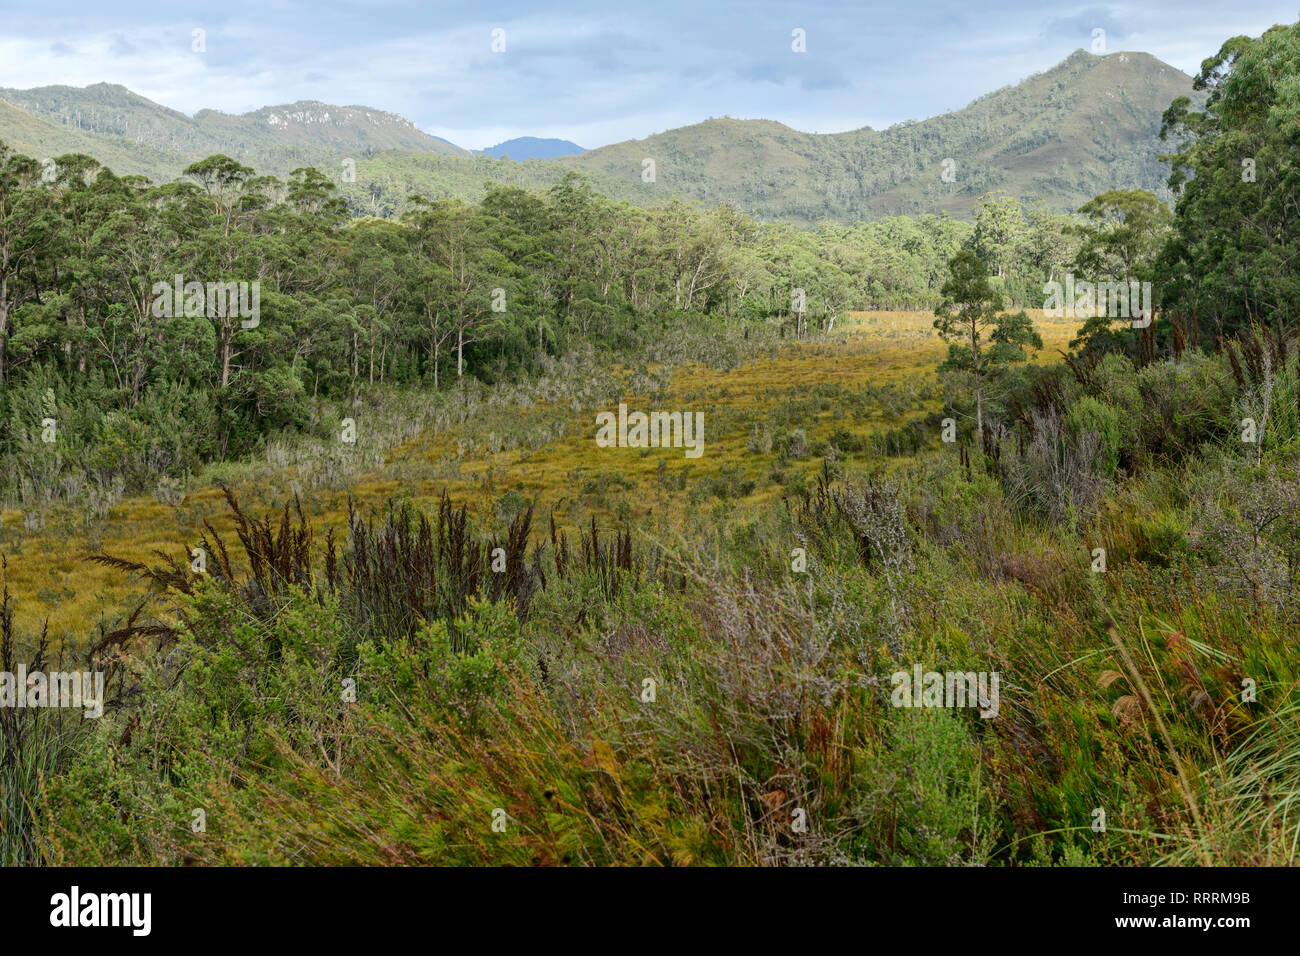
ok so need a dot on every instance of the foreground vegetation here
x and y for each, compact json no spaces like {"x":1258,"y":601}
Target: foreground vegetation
{"x":523,"y":690}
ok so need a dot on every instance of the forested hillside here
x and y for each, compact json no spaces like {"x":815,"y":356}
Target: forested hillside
{"x":1087,"y":125}
{"x":111,"y":122}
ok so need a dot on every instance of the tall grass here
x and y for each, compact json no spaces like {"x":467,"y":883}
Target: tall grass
{"x":35,"y":745}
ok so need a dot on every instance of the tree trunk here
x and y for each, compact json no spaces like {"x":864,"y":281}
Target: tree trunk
{"x":81,"y":355}
{"x":979,"y":391}
{"x":4,"y":324}
{"x":226,"y":336}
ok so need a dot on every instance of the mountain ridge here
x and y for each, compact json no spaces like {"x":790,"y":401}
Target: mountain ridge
{"x":1088,"y":124}
{"x":532,"y":147}
{"x":898,"y":170}
{"x":274,"y":139}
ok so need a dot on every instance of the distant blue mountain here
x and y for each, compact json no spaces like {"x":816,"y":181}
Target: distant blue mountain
{"x":530,"y":147}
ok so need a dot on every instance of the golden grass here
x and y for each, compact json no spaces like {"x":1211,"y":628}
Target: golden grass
{"x":46,"y":572}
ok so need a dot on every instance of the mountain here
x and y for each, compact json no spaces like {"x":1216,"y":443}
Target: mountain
{"x":160,"y":142}
{"x":1089,"y":124}
{"x":343,"y":130}
{"x":24,"y":133}
{"x":530,"y":147}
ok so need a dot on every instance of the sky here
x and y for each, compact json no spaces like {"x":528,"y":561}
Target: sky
{"x":596,"y":73}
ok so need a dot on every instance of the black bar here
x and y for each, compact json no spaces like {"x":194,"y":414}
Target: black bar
{"x":339,"y":906}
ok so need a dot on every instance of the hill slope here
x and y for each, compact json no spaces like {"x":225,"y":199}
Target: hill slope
{"x":33,"y":136}
{"x":1089,"y":124}
{"x":160,"y":142}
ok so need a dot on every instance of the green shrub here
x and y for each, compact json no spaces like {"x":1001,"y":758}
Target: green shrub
{"x":1088,"y":414}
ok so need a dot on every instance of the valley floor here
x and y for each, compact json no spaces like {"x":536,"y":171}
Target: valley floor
{"x":515,"y":446}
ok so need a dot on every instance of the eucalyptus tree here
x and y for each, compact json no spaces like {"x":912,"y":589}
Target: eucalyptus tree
{"x":134,"y":249}
{"x":1120,"y":237}
{"x":982,"y":340}
{"x":23,"y":235}
{"x":1231,"y":260}
{"x":465,"y":268}
{"x":1000,"y":229}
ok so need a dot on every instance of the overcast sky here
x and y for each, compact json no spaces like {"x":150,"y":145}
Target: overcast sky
{"x":596,"y":73}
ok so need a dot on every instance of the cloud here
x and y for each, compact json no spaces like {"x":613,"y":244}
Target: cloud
{"x":588,"y":71}
{"x":808,"y":74}
{"x":1082,"y":24}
